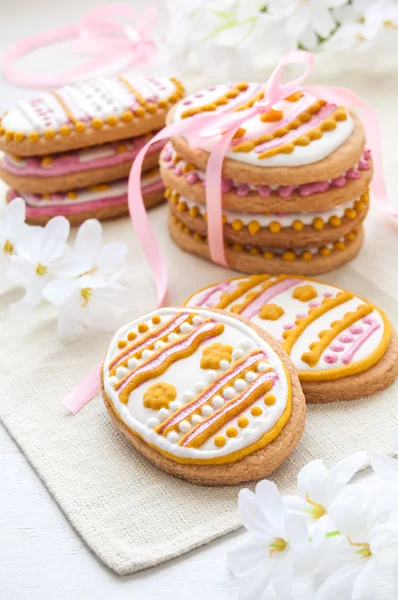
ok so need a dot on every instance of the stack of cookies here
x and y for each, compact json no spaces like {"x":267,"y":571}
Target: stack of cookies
{"x":69,"y":152}
{"x":294,"y":183}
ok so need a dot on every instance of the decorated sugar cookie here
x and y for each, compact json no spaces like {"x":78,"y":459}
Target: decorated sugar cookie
{"x":88,"y":113}
{"x":295,"y":182}
{"x":102,"y":201}
{"x":342,"y":346}
{"x":204,"y":395}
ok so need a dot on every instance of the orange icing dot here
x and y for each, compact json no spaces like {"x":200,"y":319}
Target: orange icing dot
{"x":297,"y":225}
{"x":142,"y":328}
{"x":9,"y":135}
{"x":237,"y":225}
{"x":159,"y":395}
{"x":49,"y":133}
{"x":151,"y":108}
{"x":156,"y":320}
{"x":127,"y":116}
{"x":112,"y":120}
{"x":269,"y":399}
{"x":256,"y":411}
{"x":214,"y":354}
{"x":335,"y":221}
{"x":271,"y":312}
{"x":272,"y":116}
{"x":324,"y":251}
{"x":80,"y":127}
{"x":253,"y":227}
{"x":72,"y":195}
{"x":19,"y":136}
{"x":47,"y":160}
{"x":121,"y":344}
{"x":275,"y":227}
{"x":288,"y":256}
{"x":350,"y":213}
{"x":305,"y":293}
{"x":64,"y":130}
{"x":219,"y":441}
{"x":306,"y":255}
{"x":231,"y":432}
{"x":131,"y":336}
{"x":243,"y":422}
{"x":96,"y":123}
{"x":318,"y":223}
{"x":268,"y":255}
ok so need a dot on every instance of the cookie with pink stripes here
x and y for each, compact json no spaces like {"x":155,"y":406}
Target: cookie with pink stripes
{"x":88,"y":113}
{"x":342,"y":346}
{"x":293,"y":178}
{"x":204,"y":395}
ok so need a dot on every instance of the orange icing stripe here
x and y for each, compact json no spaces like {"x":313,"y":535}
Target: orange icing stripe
{"x":242,"y":288}
{"x":292,"y":335}
{"x":237,"y":309}
{"x":65,"y":107}
{"x":211,"y":106}
{"x":140,"y":375}
{"x":204,"y":430}
{"x":312,"y":358}
{"x":132,"y":90}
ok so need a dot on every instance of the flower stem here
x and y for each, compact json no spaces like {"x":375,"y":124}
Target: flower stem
{"x":332,"y":534}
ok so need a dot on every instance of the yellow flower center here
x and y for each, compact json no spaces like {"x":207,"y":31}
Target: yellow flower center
{"x":277,"y":545}
{"x":86,"y":294}
{"x":364,"y":548}
{"x":8,"y":248}
{"x":317,"y":511}
{"x":41,"y":269}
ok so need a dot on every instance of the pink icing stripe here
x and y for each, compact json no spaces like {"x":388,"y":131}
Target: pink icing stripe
{"x":209,"y":392}
{"x":254,"y":307}
{"x":69,"y":162}
{"x":158,"y":333}
{"x":170,"y":350}
{"x":349,"y":355}
{"x":223,"y":286}
{"x":69,"y":209}
{"x":224,"y":410}
{"x":324,"y":113}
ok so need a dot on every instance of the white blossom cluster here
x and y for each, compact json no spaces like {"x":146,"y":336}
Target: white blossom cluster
{"x":334,"y":540}
{"x":245,"y":36}
{"x":83,"y":281}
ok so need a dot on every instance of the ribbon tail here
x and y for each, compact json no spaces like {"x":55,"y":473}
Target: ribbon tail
{"x":85,"y":391}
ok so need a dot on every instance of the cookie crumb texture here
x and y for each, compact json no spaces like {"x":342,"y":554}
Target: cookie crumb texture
{"x":204,"y":395}
{"x":342,"y":346}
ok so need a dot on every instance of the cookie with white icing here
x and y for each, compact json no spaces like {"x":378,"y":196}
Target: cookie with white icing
{"x":103,"y":201}
{"x":88,"y":113}
{"x":85,"y":167}
{"x":204,"y":395}
{"x":342,"y":346}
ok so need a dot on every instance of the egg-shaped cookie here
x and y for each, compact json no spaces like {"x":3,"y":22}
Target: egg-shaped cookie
{"x":342,"y":345}
{"x":204,"y":395}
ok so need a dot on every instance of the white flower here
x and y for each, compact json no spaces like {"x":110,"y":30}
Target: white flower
{"x":277,"y":540}
{"x":386,"y":467}
{"x":318,"y":488}
{"x":41,"y":255}
{"x":12,"y":228}
{"x":363,"y":22}
{"x":359,"y":558}
{"x":94,"y":296}
{"x":306,"y":20}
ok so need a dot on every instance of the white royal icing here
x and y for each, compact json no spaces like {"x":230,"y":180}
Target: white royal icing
{"x":188,"y":378}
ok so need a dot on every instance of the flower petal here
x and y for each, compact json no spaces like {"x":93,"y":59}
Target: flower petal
{"x":383,"y":535}
{"x":253,"y":517}
{"x":89,"y":239}
{"x":383,"y":503}
{"x":311,"y":480}
{"x":270,"y":502}
{"x":318,"y":530}
{"x":342,"y":473}
{"x":32,"y":297}
{"x":385,"y":466}
{"x":254,"y":584}
{"x":348,"y":512}
{"x":283,"y":576}
{"x":111,"y":257}
{"x":15,"y":211}
{"x":363,"y":584}
{"x":395,"y":440}
{"x":341,"y":580}
{"x":296,"y":532}
{"x":59,"y":291}
{"x":55,"y":234}
{"x":246,"y":557}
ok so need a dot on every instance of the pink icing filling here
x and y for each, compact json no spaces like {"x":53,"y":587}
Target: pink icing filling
{"x":69,"y":162}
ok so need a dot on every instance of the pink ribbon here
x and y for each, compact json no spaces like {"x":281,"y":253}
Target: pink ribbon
{"x":97,"y":34}
{"x":214,"y":132}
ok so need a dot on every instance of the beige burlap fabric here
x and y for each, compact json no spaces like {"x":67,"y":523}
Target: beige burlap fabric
{"x":129,"y":513}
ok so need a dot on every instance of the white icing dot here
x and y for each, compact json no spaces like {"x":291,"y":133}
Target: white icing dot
{"x":200,"y":386}
{"x":229,"y":392}
{"x":172,"y":337}
{"x":195,"y":419}
{"x":132,"y":363}
{"x":172,"y":437}
{"x":186,"y":328}
{"x":174,"y":405}
{"x":121,"y":372}
{"x":184,"y":426}
{"x":207,"y":411}
{"x":238,"y":353}
{"x":217,"y":402}
{"x":152,"y":422}
{"x":250,"y":376}
{"x":159,"y":345}
{"x":188,"y":396}
{"x":224,"y":365}
{"x":114,"y":380}
{"x":197,"y":320}
{"x":211,"y":375}
{"x":163,"y":413}
{"x":240,"y":384}
{"x":146,"y":353}
{"x":245,"y":345}
{"x":262,"y":366}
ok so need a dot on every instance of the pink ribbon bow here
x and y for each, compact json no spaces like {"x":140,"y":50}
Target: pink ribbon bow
{"x":97,"y":33}
{"x":215,"y":131}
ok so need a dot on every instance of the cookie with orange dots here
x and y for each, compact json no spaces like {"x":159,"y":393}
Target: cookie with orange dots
{"x":342,"y":345}
{"x":88,"y":113}
{"x":204,"y":395}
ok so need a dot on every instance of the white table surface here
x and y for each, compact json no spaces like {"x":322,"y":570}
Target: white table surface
{"x":41,"y":556}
